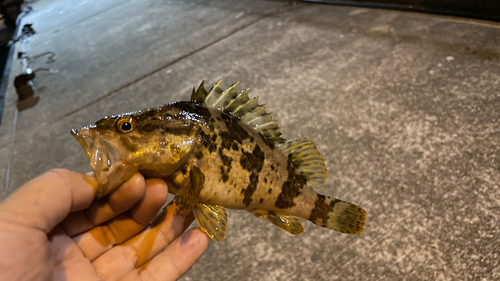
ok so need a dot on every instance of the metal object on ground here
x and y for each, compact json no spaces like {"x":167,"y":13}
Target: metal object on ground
{"x":24,"y":81}
{"x":25,"y":91}
{"x":29,"y":59}
{"x":26,"y":32}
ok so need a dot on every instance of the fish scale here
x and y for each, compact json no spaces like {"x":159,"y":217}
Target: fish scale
{"x":219,"y":150}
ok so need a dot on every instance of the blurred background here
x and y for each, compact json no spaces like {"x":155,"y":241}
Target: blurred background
{"x":402,"y":103}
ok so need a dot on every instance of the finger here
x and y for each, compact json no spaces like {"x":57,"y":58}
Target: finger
{"x":155,"y":197}
{"x":175,"y":260}
{"x":101,"y":238}
{"x":139,"y":249}
{"x":46,"y":200}
{"x":120,"y":200}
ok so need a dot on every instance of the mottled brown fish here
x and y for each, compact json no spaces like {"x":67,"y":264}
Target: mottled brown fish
{"x":219,"y":150}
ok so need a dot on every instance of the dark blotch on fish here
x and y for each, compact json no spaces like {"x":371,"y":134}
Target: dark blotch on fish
{"x":291,"y":188}
{"x":227,"y":142}
{"x":253,"y":163}
{"x":198,"y":155}
{"x":208,"y":141}
{"x":224,"y":172}
{"x":321,"y":209}
{"x":234,"y":146}
{"x":249,"y":191}
{"x":225,"y":168}
{"x":235,"y":131}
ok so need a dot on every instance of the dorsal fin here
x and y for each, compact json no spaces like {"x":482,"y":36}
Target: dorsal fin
{"x":307,"y":160}
{"x":200,"y":95}
{"x":240,"y":106}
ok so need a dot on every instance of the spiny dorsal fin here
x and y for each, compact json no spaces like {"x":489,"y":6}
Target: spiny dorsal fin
{"x":213,"y":95}
{"x":307,"y":160}
{"x":239,"y":105}
{"x":200,"y":95}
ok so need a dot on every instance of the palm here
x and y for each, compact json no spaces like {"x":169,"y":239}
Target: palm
{"x":108,"y":240}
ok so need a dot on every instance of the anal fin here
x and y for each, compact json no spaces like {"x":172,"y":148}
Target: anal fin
{"x":287,"y":223}
{"x":212,"y":220}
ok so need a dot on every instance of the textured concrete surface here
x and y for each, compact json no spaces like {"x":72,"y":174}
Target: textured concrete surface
{"x":125,"y":42}
{"x":403,"y":107}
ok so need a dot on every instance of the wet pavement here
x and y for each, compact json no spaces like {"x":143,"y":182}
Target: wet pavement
{"x":403,"y":107}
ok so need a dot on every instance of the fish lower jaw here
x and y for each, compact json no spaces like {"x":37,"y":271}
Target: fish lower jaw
{"x":109,"y":179}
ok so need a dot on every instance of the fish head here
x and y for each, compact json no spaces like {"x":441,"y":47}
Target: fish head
{"x":119,"y":146}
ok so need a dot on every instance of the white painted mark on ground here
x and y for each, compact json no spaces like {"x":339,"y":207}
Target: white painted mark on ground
{"x":239,"y":15}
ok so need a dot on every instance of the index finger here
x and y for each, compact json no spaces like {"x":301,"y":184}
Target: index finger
{"x":46,"y":200}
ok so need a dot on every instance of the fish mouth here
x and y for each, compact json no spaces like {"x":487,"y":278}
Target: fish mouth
{"x":94,"y":148}
{"x":104,"y":160}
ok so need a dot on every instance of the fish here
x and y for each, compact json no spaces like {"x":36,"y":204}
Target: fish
{"x":221,"y":149}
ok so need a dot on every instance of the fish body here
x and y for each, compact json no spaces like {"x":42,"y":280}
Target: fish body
{"x":219,"y":150}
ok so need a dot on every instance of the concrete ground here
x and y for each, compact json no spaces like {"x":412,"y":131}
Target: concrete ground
{"x":403,"y":107}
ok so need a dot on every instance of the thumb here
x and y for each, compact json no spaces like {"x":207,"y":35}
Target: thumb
{"x":46,"y":200}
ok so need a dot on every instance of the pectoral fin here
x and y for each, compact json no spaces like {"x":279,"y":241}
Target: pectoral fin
{"x":212,"y":220}
{"x":189,"y":185}
{"x":287,"y":223}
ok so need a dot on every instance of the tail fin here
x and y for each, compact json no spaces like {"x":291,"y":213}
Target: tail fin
{"x":338,"y":215}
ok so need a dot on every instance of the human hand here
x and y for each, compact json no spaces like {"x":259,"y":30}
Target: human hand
{"x":52,"y":229}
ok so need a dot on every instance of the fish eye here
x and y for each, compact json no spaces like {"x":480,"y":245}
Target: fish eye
{"x":125,"y":124}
